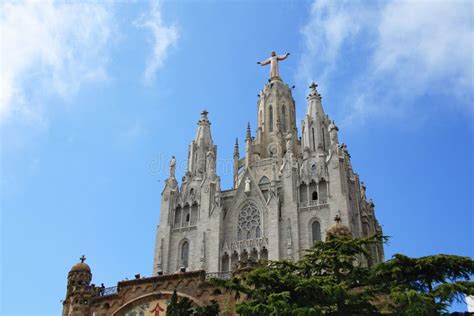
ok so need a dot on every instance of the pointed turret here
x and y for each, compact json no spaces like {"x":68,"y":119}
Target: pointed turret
{"x":248,"y":146}
{"x":200,"y":147}
{"x":315,"y":135}
{"x":236,"y":162}
{"x":315,"y":107}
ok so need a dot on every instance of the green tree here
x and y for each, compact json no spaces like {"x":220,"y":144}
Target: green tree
{"x":331,"y":280}
{"x":423,"y":286}
{"x":211,"y":309}
{"x":182,"y":307}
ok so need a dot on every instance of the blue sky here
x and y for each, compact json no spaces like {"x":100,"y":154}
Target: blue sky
{"x":97,"y":96}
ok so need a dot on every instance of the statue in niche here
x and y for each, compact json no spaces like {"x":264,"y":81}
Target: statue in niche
{"x":247,"y":185}
{"x":172,"y":167}
{"x":211,"y":166}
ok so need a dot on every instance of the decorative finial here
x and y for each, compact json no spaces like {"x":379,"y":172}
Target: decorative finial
{"x":249,"y":133}
{"x":204,"y":113}
{"x":236,"y":148}
{"x":337,"y":219}
{"x":313,"y":85}
{"x":82,"y":258}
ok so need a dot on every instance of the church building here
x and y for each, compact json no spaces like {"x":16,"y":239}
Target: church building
{"x":289,"y":190}
{"x":286,"y":192}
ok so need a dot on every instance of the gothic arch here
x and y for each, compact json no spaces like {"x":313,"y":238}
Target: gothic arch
{"x":314,"y":230}
{"x":185,"y":245}
{"x":152,"y":296}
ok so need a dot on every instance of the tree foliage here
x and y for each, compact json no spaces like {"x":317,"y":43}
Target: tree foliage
{"x":333,"y":279}
{"x":184,"y":307}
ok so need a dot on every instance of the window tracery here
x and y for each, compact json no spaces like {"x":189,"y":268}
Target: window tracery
{"x":248,"y":223}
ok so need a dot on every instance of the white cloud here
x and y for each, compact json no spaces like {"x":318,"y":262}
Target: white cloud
{"x":163,"y":38}
{"x":50,"y":47}
{"x":400,"y":50}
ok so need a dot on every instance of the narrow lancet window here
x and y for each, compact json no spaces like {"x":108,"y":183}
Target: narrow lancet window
{"x":283,"y":119}
{"x":184,"y":254}
{"x":270,"y":119}
{"x":316,"y":231}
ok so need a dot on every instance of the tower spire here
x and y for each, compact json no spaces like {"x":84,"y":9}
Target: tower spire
{"x":249,"y":133}
{"x":236,"y":162}
{"x":201,"y":145}
{"x":314,"y":101}
{"x":236,"y":147}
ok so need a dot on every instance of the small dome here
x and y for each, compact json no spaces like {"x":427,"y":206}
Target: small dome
{"x":338,"y":229}
{"x":81,"y":266}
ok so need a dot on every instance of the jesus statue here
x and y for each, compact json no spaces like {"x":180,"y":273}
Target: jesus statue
{"x":273,"y":61}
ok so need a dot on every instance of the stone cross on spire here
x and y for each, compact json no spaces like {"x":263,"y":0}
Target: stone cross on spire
{"x":82,"y":258}
{"x":273,"y":61}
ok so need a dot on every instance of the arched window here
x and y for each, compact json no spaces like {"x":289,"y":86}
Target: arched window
{"x":194,"y":214}
{"x":303,"y":193}
{"x":324,"y":140}
{"x":313,"y":188}
{"x":185,"y":216}
{"x":283,"y":119}
{"x":315,"y":231}
{"x":184,"y":254}
{"x":177,"y":217}
{"x":270,"y":121}
{"x":314,"y":140}
{"x":225,"y":263}
{"x":248,"y":222}
{"x":323,"y":191}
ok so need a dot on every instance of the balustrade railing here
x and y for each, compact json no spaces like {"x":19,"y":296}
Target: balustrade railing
{"x":108,"y":291}
{"x":219,"y":275}
{"x":313,"y":203}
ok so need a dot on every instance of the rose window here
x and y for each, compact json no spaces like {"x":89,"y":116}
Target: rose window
{"x":248,"y":223}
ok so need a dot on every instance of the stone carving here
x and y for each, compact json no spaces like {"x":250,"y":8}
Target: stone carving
{"x":247,"y":185}
{"x":289,"y":143}
{"x":211,"y":166}
{"x":172,"y":167}
{"x":273,"y":61}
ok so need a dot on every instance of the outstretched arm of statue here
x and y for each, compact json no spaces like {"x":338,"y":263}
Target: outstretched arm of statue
{"x":282,"y":57}
{"x":265,"y":62}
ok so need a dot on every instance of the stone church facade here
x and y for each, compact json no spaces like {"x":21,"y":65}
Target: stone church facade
{"x":286,"y":192}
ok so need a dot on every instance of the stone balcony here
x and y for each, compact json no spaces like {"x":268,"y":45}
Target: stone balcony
{"x":313,"y":205}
